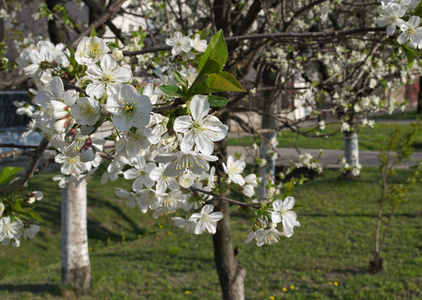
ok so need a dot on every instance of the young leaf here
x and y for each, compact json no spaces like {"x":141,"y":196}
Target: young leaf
{"x":418,"y":10}
{"x":216,"y":52}
{"x":219,"y":82}
{"x":181,"y":80}
{"x":8,"y":173}
{"x":93,"y":32}
{"x":34,"y":215}
{"x":411,"y":54}
{"x":216,"y":101}
{"x":171,"y":90}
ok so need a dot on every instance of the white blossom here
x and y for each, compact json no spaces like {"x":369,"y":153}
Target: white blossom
{"x":179,"y":43}
{"x":90,"y":50}
{"x":129,"y":109}
{"x":234,"y":169}
{"x":282,"y":213}
{"x":107,"y":77}
{"x":31,"y":231}
{"x":200,"y":130}
{"x":206,"y":220}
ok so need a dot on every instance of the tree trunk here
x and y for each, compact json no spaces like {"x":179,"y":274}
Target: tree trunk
{"x":57,"y":32}
{"x":419,"y":107}
{"x":268,"y":170}
{"x":377,"y":265}
{"x":351,"y":147}
{"x":230,"y":271}
{"x":76,"y":270}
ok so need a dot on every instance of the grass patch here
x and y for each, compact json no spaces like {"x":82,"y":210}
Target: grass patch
{"x":406,"y":115}
{"x":369,"y":138}
{"x":134,"y":256}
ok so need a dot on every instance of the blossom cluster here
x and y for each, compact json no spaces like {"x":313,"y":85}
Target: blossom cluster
{"x":306,"y":160}
{"x":354,"y":169}
{"x":11,"y":227}
{"x":401,"y":14}
{"x":167,"y":154}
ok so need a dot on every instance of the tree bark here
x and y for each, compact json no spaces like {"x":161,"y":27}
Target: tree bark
{"x":351,"y":147}
{"x":419,"y":107}
{"x":268,"y":170}
{"x":230,"y":271}
{"x":57,"y":32}
{"x":76,"y":269}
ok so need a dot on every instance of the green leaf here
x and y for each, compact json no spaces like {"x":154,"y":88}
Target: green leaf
{"x":216,"y":101}
{"x":219,"y":82}
{"x":411,"y":54}
{"x":8,"y":173}
{"x":27,"y":213}
{"x":418,"y":10}
{"x":181,"y":80}
{"x":171,"y":90}
{"x":93,"y":32}
{"x":215,"y":55}
{"x":34,"y":215}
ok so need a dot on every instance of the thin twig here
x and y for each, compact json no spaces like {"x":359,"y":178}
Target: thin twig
{"x":194,"y":189}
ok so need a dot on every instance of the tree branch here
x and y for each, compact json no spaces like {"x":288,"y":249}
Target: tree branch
{"x":109,"y":13}
{"x":194,"y":189}
{"x":2,"y":145}
{"x":29,"y":172}
{"x":118,"y":32}
{"x":171,"y":106}
{"x":14,"y":153}
{"x":271,"y":36}
{"x":15,"y":81}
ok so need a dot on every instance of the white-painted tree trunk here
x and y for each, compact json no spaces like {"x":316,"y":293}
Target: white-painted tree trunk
{"x":268,"y":171}
{"x":351,"y":147}
{"x":76,"y":269}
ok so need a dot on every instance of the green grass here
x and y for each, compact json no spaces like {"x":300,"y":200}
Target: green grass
{"x":369,"y":138}
{"x":134,"y":256}
{"x":407,"y":115}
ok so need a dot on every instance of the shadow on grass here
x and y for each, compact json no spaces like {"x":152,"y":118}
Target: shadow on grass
{"x":52,"y":289}
{"x":116,"y":209}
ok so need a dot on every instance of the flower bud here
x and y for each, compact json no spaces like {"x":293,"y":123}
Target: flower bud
{"x":70,"y":136}
{"x":118,"y":54}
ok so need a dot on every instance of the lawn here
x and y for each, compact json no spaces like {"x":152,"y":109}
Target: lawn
{"x":369,"y":138}
{"x":406,"y":115}
{"x":134,"y":256}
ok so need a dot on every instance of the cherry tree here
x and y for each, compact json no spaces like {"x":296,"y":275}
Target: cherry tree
{"x":168,"y":126}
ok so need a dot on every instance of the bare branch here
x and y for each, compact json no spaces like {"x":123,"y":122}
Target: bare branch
{"x":2,"y":145}
{"x":15,"y":81}
{"x":14,"y":153}
{"x":109,"y":13}
{"x":271,"y":36}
